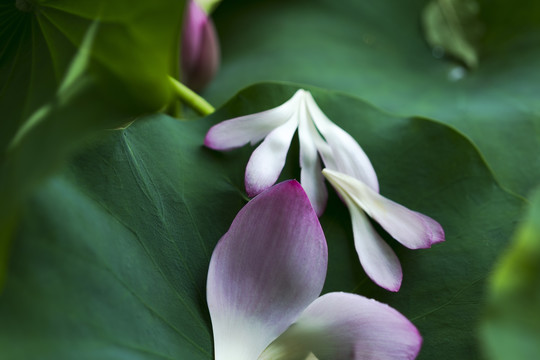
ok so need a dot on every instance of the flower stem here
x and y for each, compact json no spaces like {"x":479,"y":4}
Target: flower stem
{"x":190,"y":98}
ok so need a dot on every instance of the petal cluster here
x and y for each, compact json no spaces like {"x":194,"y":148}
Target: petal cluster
{"x":347,"y":168}
{"x":319,"y":139}
{"x":264,"y":281}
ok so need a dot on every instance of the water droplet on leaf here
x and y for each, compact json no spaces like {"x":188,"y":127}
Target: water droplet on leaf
{"x":457,"y":73}
{"x":437,"y":52}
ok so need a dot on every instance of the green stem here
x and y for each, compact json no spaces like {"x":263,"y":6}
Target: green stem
{"x":190,"y":98}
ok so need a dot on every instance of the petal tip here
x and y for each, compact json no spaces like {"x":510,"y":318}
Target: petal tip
{"x":388,"y":279}
{"x":255,"y":184}
{"x":295,"y":189}
{"x":292,"y":185}
{"x":394,"y":286}
{"x":393,"y":289}
{"x":419,"y":340}
{"x":210,"y":140}
{"x":253,"y":189}
{"x":439,"y":235}
{"x":302,"y":92}
{"x":435,"y":232}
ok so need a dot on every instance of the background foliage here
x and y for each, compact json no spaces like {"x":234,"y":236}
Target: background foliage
{"x":510,"y":328}
{"x":109,"y":251}
{"x":377,"y":51}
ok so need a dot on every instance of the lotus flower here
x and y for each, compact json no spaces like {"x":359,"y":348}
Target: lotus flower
{"x":264,"y":281}
{"x":200,"y":48}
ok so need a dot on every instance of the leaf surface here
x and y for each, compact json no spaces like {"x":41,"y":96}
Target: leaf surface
{"x":111,"y":259}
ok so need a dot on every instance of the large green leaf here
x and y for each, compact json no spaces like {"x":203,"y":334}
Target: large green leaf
{"x":376,"y":50}
{"x":511,"y":329}
{"x":111,"y":259}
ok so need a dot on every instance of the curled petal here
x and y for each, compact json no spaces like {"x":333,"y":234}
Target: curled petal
{"x":237,"y":132}
{"x":347,"y":326}
{"x":267,"y":161}
{"x":410,"y":228}
{"x":265,"y":271}
{"x":311,"y":177}
{"x":348,"y":156}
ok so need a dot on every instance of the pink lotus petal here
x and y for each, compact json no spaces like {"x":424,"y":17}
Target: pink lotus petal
{"x":265,"y":271}
{"x":267,"y":161}
{"x":195,"y":20}
{"x":347,"y":326}
{"x":200,"y":48}
{"x":311,"y":176}
{"x":348,"y":156}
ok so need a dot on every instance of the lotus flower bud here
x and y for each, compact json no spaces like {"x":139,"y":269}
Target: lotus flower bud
{"x":200,"y":48}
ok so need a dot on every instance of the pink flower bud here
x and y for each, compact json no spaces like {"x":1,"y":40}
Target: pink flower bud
{"x":200,"y":48}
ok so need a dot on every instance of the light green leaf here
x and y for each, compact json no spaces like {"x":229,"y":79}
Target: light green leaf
{"x":135,"y":50}
{"x":111,"y":259}
{"x":511,"y":329}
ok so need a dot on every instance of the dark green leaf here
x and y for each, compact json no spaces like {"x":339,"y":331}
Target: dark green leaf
{"x":376,"y":50}
{"x":112,"y":255}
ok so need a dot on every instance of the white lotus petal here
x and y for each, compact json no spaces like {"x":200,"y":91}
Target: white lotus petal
{"x":377,"y":258}
{"x":237,"y":132}
{"x":268,"y":159}
{"x":348,"y":155}
{"x":311,"y":176}
{"x":347,"y":327}
{"x":412,"y":229}
{"x":265,"y":271}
